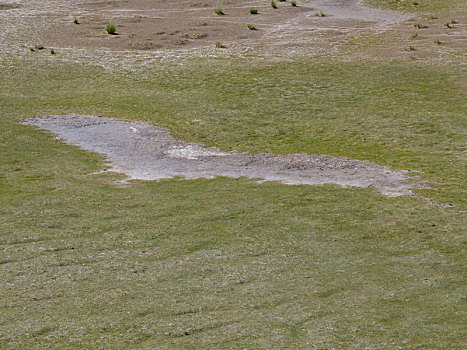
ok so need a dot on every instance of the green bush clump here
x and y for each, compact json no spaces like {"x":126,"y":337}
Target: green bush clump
{"x":110,"y":28}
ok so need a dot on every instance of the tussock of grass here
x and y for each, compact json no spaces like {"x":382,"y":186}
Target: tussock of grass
{"x":110,"y":28}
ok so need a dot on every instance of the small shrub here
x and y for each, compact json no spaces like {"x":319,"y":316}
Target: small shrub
{"x":448,"y":25}
{"x":414,"y":36}
{"x":453,"y":21}
{"x":320,"y":14}
{"x":438,"y":42}
{"x":76,"y":21}
{"x":273,"y":4}
{"x":32,"y":49}
{"x":219,"y":45}
{"x":254,"y":11}
{"x":293,"y":3}
{"x":52,"y":51}
{"x":110,"y":28}
{"x":218,"y":11}
{"x":251,"y":27}
{"x":160,"y":32}
{"x":419,"y":25}
{"x":40,"y":47}
{"x":412,"y":48}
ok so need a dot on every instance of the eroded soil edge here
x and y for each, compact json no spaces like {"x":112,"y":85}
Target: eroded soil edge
{"x":146,"y":152}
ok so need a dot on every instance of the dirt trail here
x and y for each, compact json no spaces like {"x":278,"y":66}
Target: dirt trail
{"x":146,"y":152}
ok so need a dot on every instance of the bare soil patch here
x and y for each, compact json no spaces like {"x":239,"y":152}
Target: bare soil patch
{"x":158,"y":24}
{"x":145,"y":152}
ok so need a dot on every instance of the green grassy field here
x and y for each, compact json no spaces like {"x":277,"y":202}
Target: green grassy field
{"x":229,"y":263}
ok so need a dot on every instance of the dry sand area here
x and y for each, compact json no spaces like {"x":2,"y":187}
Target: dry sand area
{"x":180,"y":24}
{"x":146,"y":152}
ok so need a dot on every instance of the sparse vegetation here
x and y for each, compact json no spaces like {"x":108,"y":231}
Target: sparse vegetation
{"x":293,"y":3}
{"x":254,"y":11}
{"x":219,"y":45}
{"x":134,"y":19}
{"x":412,"y":48}
{"x":251,"y":26}
{"x":76,"y":21}
{"x":414,"y":36}
{"x":448,"y":25}
{"x":160,"y":32}
{"x":218,"y":11}
{"x":273,"y":4}
{"x":320,"y":14}
{"x":110,"y":28}
{"x":194,"y":35}
{"x":52,"y":51}
{"x":438,"y":42}
{"x":419,"y":25}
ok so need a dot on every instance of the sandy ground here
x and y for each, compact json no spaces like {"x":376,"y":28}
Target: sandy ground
{"x":152,"y":31}
{"x":145,"y":152}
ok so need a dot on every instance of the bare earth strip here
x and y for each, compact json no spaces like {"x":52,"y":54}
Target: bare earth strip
{"x":145,"y":152}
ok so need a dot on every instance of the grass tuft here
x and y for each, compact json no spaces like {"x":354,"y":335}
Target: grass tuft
{"x":218,"y":11}
{"x":293,"y":3}
{"x":273,"y":4}
{"x":110,"y":28}
{"x":419,"y":25}
{"x":254,"y":11}
{"x":251,"y":26}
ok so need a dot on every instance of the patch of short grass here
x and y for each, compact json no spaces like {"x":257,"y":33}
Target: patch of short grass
{"x":251,"y":26}
{"x":209,"y":263}
{"x":254,"y":11}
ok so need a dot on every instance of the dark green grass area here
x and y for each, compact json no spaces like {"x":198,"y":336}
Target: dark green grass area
{"x":216,"y":263}
{"x":400,"y":114}
{"x":225,"y":263}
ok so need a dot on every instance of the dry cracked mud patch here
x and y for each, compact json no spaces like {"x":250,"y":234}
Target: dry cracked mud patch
{"x":146,"y":152}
